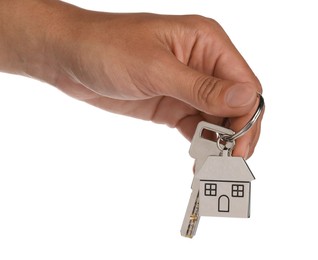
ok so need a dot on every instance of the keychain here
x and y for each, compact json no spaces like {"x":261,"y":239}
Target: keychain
{"x":222,"y":183}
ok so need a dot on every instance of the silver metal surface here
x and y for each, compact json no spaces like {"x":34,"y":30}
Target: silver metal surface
{"x":221,"y":185}
{"x":202,"y":147}
{"x":192,"y":217}
{"x":225,"y":185}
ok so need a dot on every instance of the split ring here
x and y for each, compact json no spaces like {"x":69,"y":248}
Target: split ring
{"x":249,"y":124}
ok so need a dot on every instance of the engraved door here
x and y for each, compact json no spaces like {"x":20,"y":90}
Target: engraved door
{"x":223,"y":204}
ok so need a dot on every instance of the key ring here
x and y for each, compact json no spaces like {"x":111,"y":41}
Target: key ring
{"x":232,"y":138}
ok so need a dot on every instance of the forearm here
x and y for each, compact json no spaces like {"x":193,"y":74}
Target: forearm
{"x":29,"y":30}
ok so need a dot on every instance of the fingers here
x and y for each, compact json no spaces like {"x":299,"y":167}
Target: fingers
{"x":209,"y":74}
{"x":211,"y":95}
{"x":194,"y":63}
{"x":216,"y":80}
{"x":222,"y":99}
{"x":246,"y":144}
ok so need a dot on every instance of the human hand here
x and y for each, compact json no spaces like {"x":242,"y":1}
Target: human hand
{"x":176,"y":70}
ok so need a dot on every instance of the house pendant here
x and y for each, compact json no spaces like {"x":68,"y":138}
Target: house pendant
{"x":224,"y":185}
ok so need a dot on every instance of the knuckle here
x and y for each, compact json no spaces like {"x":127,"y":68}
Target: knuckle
{"x":206,"y":92}
{"x":258,"y":85}
{"x":205,"y":24}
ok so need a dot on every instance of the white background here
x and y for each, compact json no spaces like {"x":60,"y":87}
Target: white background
{"x":77,"y":182}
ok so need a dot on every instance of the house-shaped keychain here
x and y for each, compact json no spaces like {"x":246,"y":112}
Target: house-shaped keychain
{"x":224,"y":184}
{"x":221,"y":184}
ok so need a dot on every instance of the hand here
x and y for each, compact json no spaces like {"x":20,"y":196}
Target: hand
{"x":176,"y":70}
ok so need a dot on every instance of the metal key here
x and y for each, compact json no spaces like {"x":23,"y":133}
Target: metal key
{"x":220,"y":180}
{"x":221,"y":187}
{"x":201,"y":148}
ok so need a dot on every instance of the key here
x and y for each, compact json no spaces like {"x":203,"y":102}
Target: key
{"x":192,"y":217}
{"x":201,"y":148}
{"x":222,"y":184}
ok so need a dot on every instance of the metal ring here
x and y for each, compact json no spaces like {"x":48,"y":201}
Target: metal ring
{"x":229,"y":145}
{"x":250,"y":123}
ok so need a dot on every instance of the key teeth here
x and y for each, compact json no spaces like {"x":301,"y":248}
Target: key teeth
{"x":192,"y":217}
{"x":193,"y":224}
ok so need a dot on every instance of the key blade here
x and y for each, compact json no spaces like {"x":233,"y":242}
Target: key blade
{"x":192,"y":217}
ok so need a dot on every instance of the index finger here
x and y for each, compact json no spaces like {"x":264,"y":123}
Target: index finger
{"x":214,"y":53}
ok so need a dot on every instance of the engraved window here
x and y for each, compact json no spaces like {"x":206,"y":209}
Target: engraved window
{"x":210,"y":189}
{"x":237,"y":190}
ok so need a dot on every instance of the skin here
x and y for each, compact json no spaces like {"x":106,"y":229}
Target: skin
{"x":173,"y":70}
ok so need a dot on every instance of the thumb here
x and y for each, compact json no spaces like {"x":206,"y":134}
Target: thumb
{"x":218,"y":97}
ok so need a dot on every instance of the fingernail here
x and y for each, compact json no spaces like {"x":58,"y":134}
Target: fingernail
{"x":240,"y":96}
